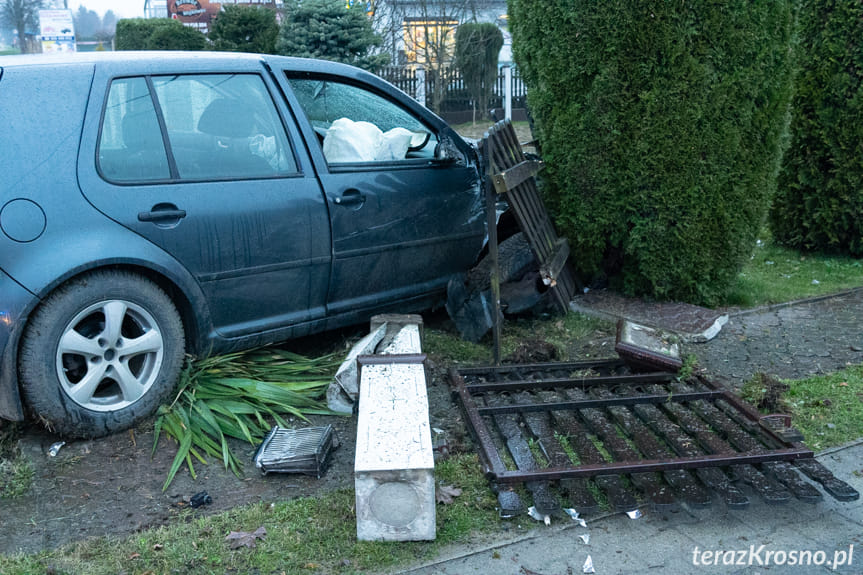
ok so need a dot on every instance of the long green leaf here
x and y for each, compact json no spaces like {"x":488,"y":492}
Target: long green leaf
{"x":234,"y":395}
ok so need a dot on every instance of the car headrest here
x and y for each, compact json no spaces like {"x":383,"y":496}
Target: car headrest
{"x":140,"y":133}
{"x":227,"y":118}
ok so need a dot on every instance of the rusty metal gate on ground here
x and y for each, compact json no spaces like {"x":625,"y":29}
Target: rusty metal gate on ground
{"x":584,"y":430}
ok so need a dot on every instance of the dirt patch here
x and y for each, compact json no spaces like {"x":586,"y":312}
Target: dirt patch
{"x":113,"y":485}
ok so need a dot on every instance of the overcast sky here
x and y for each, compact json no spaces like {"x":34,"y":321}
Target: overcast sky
{"x":122,"y":8}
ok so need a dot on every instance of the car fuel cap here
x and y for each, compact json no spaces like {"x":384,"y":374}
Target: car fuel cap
{"x":22,"y":220}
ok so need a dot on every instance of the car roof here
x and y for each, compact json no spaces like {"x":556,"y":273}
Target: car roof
{"x":202,"y":59}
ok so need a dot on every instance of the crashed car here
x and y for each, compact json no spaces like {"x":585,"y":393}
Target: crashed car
{"x":158,"y":204}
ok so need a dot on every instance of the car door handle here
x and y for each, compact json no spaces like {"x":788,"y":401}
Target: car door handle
{"x":350,"y":198}
{"x":161,"y":215}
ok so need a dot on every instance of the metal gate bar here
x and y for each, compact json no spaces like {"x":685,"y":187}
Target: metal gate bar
{"x":636,"y":392}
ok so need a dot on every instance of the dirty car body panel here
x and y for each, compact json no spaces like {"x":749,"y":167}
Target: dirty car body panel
{"x":131,"y":163}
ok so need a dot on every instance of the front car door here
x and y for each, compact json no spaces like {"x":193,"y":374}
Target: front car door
{"x":404,"y":218}
{"x":203,"y":164}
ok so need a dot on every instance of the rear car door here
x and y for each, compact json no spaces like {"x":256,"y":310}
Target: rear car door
{"x":404,"y":220}
{"x":203,"y":163}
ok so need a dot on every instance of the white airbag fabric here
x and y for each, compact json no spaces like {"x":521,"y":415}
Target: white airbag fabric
{"x":349,"y":141}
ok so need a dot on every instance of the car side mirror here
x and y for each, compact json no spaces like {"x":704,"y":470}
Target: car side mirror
{"x":447,"y":152}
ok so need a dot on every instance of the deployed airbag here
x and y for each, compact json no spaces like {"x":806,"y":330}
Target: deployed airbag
{"x":348,"y":141}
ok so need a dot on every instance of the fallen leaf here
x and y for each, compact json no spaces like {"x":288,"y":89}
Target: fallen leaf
{"x":239,"y":539}
{"x":843,"y":384}
{"x":134,"y":555}
{"x":158,"y":547}
{"x":311,"y":566}
{"x":445,"y":493}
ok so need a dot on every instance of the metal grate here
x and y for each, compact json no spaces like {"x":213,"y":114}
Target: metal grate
{"x":296,"y":450}
{"x":574,"y":427}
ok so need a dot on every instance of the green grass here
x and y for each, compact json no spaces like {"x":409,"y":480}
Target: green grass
{"x":448,"y":349}
{"x":827,"y":409}
{"x":16,"y":472}
{"x":309,"y":535}
{"x":10,"y":52}
{"x":776,"y":274}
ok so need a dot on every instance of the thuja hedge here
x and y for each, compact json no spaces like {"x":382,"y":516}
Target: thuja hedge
{"x":819,"y":201}
{"x":660,"y":123}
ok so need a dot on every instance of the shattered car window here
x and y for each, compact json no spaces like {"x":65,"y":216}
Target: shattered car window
{"x":355,"y":125}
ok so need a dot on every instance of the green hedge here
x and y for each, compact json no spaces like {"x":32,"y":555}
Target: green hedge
{"x":660,"y":123}
{"x":819,"y":203}
{"x":157,"y":34}
{"x":245,"y":28}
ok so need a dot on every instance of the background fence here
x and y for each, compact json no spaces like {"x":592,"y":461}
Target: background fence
{"x":456,"y":105}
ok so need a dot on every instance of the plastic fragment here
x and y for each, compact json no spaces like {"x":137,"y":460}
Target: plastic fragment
{"x":585,"y":538}
{"x":634,"y":514}
{"x":539,"y":516}
{"x":575,"y":517}
{"x":55,"y":448}
{"x":588,"y":566}
{"x":199,"y":499}
{"x":815,"y":282}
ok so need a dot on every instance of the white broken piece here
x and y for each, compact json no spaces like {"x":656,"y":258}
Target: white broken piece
{"x":343,"y":391}
{"x":585,"y":538}
{"x":575,"y":516}
{"x":634,"y":514}
{"x":539,"y":516}
{"x":588,"y":566}
{"x":55,"y":448}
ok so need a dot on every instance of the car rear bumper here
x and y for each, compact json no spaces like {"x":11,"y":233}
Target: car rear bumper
{"x":15,"y":302}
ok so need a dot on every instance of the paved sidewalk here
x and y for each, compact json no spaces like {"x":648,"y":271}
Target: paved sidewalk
{"x":658,"y":543}
{"x":790,"y":341}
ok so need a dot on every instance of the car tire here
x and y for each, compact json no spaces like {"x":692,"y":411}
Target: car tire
{"x":515,"y":258}
{"x":100,"y":353}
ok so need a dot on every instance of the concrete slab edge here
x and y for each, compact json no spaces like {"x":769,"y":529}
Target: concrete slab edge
{"x":535,"y":533}
{"x":688,"y":337}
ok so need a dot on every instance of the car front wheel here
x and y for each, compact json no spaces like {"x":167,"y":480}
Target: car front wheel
{"x":100,"y":354}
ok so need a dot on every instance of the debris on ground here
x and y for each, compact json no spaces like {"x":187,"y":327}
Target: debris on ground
{"x":643,"y":347}
{"x":55,"y":448}
{"x":538,"y":515}
{"x":343,"y":392}
{"x":445,"y":494}
{"x":237,"y":539}
{"x":533,"y":351}
{"x":588,"y":566}
{"x":306,"y":450}
{"x":200,"y":499}
{"x":767,"y":393}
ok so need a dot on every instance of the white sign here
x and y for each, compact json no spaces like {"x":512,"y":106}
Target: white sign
{"x":57,"y":31}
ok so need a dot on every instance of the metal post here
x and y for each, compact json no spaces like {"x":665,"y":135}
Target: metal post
{"x":421,"y":86}
{"x":491,"y":210}
{"x":507,"y":92}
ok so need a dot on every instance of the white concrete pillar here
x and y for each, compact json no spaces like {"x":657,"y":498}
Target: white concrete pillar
{"x":507,"y":92}
{"x":421,"y":86}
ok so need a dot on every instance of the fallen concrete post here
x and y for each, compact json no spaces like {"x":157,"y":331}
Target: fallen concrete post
{"x":394,"y":465}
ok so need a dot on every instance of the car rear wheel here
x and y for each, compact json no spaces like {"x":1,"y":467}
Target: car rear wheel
{"x":100,"y":354}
